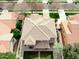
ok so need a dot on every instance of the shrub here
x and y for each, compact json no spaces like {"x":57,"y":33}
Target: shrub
{"x":71,"y":52}
{"x":16,"y":34}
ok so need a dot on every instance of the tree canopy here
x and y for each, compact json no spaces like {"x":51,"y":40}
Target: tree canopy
{"x":71,"y":52}
{"x":19,"y":24}
{"x":17,"y":31}
{"x":16,"y":34}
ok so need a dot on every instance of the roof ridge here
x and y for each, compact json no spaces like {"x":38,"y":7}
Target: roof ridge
{"x":40,"y":29}
{"x":48,"y":29}
{"x":30,"y":37}
{"x":33,"y":41}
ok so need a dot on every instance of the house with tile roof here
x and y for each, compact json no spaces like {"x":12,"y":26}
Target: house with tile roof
{"x":38,"y":34}
{"x":4,"y":29}
{"x":6,"y":43}
{"x":70,"y":30}
{"x":7,"y":23}
{"x":9,"y":19}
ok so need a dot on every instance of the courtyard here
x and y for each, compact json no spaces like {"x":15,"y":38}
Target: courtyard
{"x":38,"y":55}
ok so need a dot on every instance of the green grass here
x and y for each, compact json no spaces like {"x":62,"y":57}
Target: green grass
{"x":34,"y":55}
{"x":67,"y":14}
{"x":46,"y":55}
{"x":30,"y":55}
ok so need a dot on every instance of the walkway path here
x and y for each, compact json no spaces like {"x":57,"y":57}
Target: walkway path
{"x":62,"y":13}
{"x":39,"y":55}
{"x":62,"y":16}
{"x":46,"y":10}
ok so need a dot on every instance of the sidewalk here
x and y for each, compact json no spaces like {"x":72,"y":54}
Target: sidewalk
{"x":45,"y":11}
{"x":61,"y":15}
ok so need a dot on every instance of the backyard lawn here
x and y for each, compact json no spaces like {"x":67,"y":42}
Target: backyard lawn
{"x":67,"y":14}
{"x":46,"y":55}
{"x":35,"y":55}
{"x":30,"y":55}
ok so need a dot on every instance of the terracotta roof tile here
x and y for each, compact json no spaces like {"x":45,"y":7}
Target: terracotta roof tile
{"x":74,"y":17}
{"x":4,"y":29}
{"x":4,"y":46}
{"x":72,"y":26}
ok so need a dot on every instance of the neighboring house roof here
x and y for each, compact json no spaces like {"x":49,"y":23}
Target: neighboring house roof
{"x":4,"y":29}
{"x":10,"y":23}
{"x":70,"y":31}
{"x":6,"y":37}
{"x":5,"y":45}
{"x":74,"y":22}
{"x":74,"y":17}
{"x":9,"y":18}
{"x":38,"y":30}
{"x":64,"y":24}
